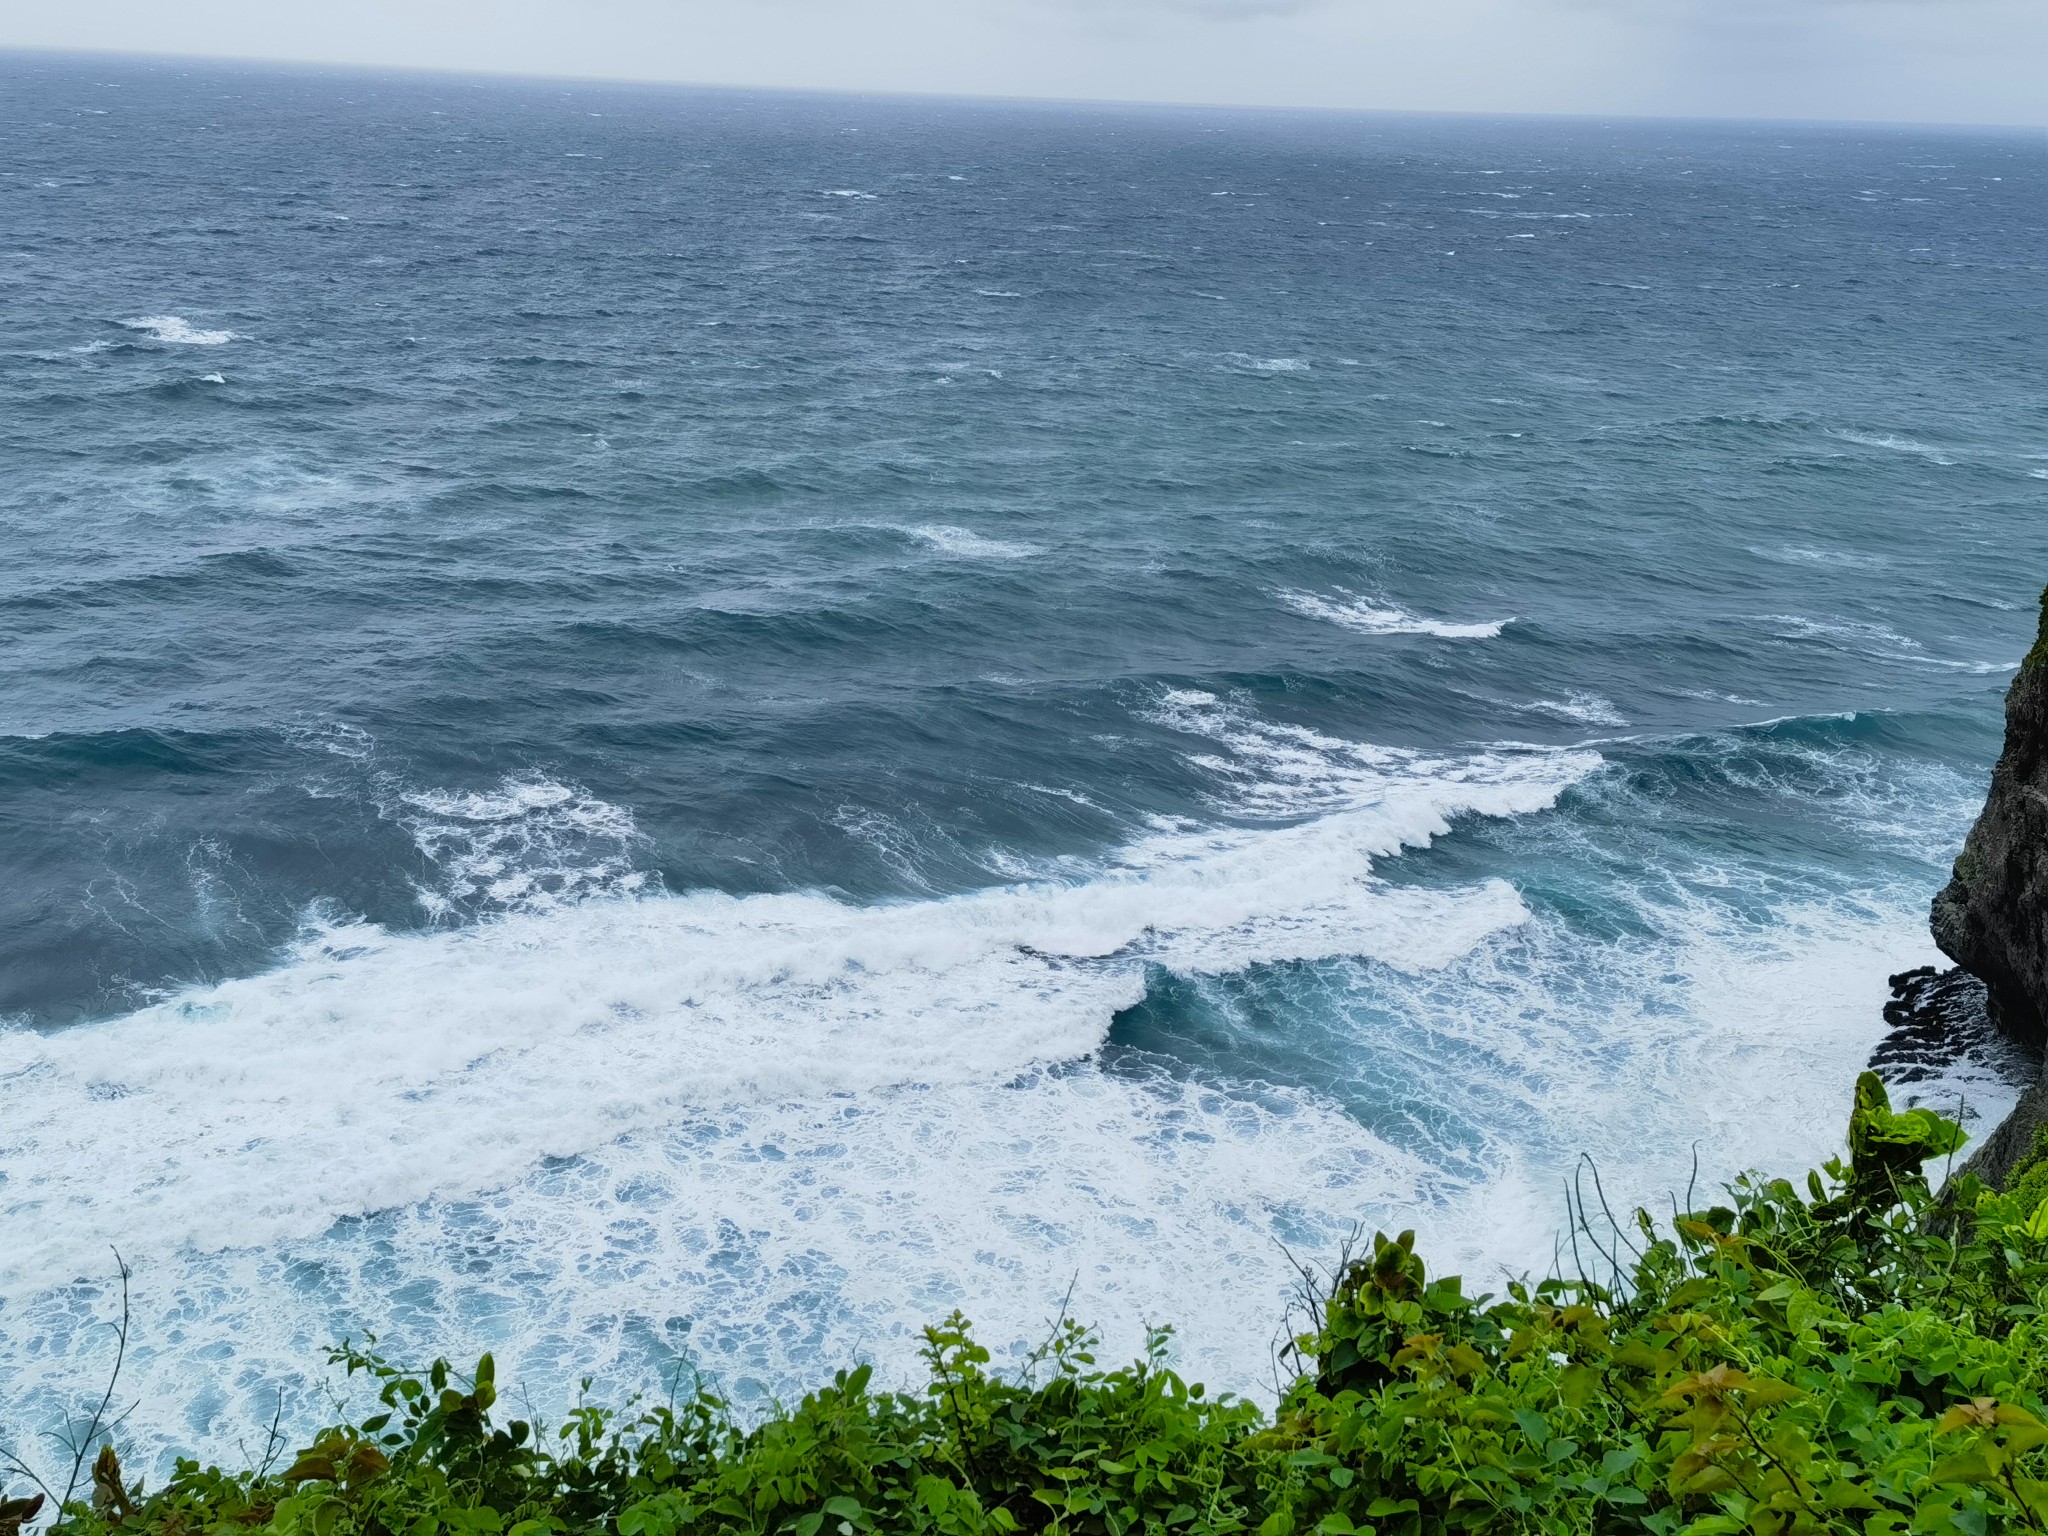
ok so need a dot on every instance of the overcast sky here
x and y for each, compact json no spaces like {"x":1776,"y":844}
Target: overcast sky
{"x":1974,"y":61}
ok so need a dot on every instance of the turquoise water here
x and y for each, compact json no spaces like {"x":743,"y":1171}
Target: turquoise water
{"x":647,"y":724}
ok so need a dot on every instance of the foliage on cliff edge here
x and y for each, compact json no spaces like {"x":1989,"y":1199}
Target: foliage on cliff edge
{"x":1849,"y":1356}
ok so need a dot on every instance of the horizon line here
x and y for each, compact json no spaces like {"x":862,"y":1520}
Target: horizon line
{"x":646,"y":82}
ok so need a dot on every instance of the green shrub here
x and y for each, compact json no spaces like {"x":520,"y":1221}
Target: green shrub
{"x":1853,"y":1356}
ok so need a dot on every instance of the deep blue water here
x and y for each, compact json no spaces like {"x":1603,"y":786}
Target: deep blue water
{"x":644,"y":722}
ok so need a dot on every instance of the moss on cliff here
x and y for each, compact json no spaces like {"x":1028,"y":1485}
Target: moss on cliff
{"x":2038,"y":656}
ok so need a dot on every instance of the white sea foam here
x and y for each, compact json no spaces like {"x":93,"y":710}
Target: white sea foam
{"x":1282,"y":771}
{"x":1799,"y":554}
{"x":1371,"y":618}
{"x":773,"y":1237}
{"x":969,"y":545}
{"x":174,"y":330}
{"x":1876,"y":640}
{"x":1269,"y":364}
{"x":1836,"y":631}
{"x":780,"y":1132}
{"x":528,"y":845}
{"x":1893,"y":442}
{"x":850,"y":192}
{"x":1579,"y":706}
{"x":337,"y":737}
{"x":372,"y":1069}
{"x":770,"y":1241}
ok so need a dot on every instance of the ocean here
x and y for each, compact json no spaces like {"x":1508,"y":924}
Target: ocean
{"x":660,"y":729}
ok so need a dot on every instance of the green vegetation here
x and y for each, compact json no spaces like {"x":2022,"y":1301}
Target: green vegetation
{"x":1851,"y":1356}
{"x":2028,"y":1181}
{"x":2037,"y":656}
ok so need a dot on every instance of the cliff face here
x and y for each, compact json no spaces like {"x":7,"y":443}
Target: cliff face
{"x":1992,"y":917}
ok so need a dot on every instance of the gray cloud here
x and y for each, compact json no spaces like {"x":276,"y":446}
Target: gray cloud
{"x":1227,"y":10}
{"x":1946,"y":60}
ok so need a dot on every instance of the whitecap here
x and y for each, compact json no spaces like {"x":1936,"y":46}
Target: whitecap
{"x":850,"y":192}
{"x":1371,"y":618}
{"x":1875,"y":640}
{"x":1267,"y":364}
{"x":1578,"y":706}
{"x":1893,"y":442}
{"x":175,"y":330}
{"x":775,"y":1133}
{"x":769,"y":1235}
{"x":1801,"y":554}
{"x":1796,"y":626}
{"x":969,"y":545}
{"x":373,"y":1069}
{"x":529,"y":844}
{"x":1282,"y":772}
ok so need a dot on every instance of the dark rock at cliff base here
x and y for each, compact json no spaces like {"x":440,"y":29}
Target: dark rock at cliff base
{"x":1941,"y":1037}
{"x":1943,"y":1053}
{"x":1992,"y":917}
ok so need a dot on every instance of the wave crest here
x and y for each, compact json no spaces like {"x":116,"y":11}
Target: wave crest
{"x":1370,"y":618}
{"x":371,"y":1070}
{"x":176,"y":331}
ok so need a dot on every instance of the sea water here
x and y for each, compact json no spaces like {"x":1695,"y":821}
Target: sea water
{"x":657,"y":728}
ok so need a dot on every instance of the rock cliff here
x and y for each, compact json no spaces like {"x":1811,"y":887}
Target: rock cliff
{"x":1992,"y":917}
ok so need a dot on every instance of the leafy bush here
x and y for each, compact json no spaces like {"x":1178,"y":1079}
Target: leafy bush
{"x":1853,"y":1356}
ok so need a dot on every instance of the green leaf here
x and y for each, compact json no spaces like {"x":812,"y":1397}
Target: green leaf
{"x":1969,"y":1467}
{"x":1616,"y":1462}
{"x":1578,"y":1386}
